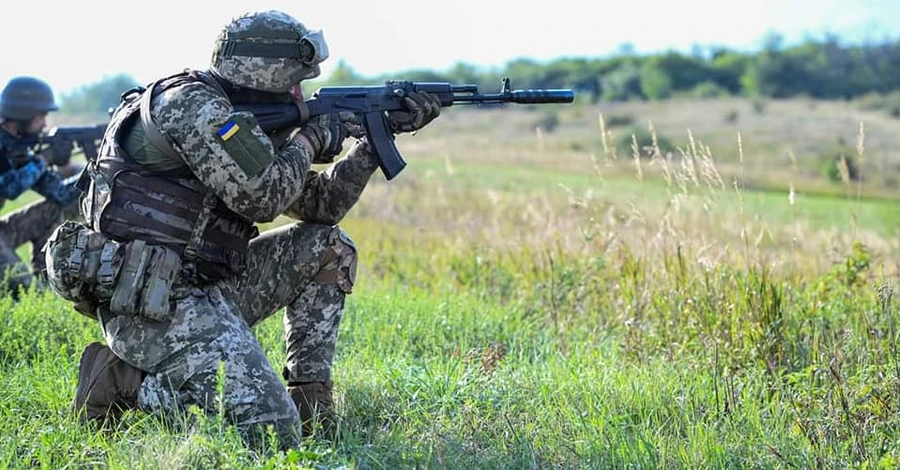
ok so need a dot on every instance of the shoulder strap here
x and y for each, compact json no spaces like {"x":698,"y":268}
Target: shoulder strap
{"x":210,"y":81}
{"x":150,"y":128}
{"x":153,"y":134}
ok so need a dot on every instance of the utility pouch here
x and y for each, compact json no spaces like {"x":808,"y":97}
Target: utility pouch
{"x":165,"y":266}
{"x":146,"y":278}
{"x":82,"y":265}
{"x":124,"y":299}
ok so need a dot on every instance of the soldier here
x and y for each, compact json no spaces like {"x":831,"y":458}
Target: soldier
{"x":173,"y":197}
{"x":24,"y":105}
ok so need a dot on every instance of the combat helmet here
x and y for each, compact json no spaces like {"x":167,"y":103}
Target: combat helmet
{"x":24,"y":98}
{"x":268,"y":51}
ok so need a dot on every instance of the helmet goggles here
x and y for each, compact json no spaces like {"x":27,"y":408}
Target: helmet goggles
{"x":310,"y":49}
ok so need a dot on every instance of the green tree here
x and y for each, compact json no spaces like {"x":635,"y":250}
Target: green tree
{"x":623,"y":83}
{"x":655,"y":83}
{"x":98,"y":97}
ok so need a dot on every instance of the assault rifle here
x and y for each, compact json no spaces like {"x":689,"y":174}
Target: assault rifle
{"x":57,"y":145}
{"x":371,"y":103}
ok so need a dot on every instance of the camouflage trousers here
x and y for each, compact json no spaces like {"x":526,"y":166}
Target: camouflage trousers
{"x":307,"y":268}
{"x":33,"y":223}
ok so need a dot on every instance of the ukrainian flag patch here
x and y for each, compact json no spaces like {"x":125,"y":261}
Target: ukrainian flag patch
{"x":229,"y":130}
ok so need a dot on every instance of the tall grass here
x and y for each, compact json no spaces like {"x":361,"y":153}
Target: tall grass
{"x":667,"y":319}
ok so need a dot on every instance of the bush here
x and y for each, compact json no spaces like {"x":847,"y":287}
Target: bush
{"x":840,"y":163}
{"x":833,"y":171}
{"x":709,"y":89}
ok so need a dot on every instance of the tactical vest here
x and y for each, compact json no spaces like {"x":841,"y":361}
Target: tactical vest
{"x":126,"y":202}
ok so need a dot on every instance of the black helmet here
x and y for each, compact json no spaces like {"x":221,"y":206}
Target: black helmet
{"x":24,"y":98}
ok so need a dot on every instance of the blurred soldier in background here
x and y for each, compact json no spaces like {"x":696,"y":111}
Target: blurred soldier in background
{"x":176,"y":272}
{"x":24,"y":104}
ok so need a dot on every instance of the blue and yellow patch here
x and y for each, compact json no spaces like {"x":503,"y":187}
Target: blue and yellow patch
{"x":229,"y":130}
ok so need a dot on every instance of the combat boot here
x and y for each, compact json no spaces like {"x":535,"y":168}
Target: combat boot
{"x":107,"y":385}
{"x":315,"y":404}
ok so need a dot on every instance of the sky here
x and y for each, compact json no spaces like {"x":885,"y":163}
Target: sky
{"x":73,"y":43}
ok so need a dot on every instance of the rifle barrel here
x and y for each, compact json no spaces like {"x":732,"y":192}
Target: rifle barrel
{"x":518,"y":96}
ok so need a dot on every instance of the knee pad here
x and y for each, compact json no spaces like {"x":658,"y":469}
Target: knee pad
{"x":339,"y":261}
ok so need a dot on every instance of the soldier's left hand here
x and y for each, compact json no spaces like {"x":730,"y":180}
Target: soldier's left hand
{"x":421,"y":108}
{"x":328,"y":132}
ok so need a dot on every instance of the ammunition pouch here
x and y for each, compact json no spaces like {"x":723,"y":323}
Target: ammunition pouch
{"x":82,"y":265}
{"x":146,"y":279}
{"x":87,"y":268}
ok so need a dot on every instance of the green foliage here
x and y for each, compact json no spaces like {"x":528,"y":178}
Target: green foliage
{"x":512,"y":312}
{"x":851,"y":272}
{"x":818,"y":68}
{"x":841,"y":164}
{"x":655,"y":83}
{"x":98,"y":97}
{"x":623,"y":83}
{"x":708,"y":89}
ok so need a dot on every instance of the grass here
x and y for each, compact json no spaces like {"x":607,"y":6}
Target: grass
{"x":520,"y":305}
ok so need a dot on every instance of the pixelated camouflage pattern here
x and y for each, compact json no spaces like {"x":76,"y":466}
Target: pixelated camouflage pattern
{"x":53,"y":187}
{"x":33,"y":223}
{"x":192,"y":116}
{"x":311,"y":326}
{"x":262,"y":73}
{"x":182,"y":358}
{"x":307,"y":267}
{"x":211,"y":325}
{"x":328,"y":195}
{"x":16,"y":178}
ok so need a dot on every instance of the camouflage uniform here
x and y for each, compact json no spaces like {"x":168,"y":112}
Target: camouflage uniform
{"x":307,"y":266}
{"x":182,"y":172}
{"x":35,"y":222}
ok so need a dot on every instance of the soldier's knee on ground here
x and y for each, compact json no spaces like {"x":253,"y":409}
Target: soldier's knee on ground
{"x":339,"y":262}
{"x":107,"y":385}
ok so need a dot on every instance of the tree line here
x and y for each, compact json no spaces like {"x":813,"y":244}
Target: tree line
{"x":823,"y":68}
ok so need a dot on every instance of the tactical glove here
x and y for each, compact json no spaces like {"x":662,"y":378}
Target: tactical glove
{"x":327,"y":132}
{"x":421,"y":108}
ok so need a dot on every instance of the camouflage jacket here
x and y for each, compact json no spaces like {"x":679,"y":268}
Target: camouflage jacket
{"x":16,"y":177}
{"x":232,"y":156}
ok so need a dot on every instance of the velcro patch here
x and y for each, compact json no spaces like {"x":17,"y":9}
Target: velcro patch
{"x":244,"y":147}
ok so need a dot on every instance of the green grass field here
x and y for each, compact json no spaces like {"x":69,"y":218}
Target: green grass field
{"x":532,"y":299}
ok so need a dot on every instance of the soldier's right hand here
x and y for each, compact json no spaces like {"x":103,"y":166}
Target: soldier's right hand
{"x":326,"y":134}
